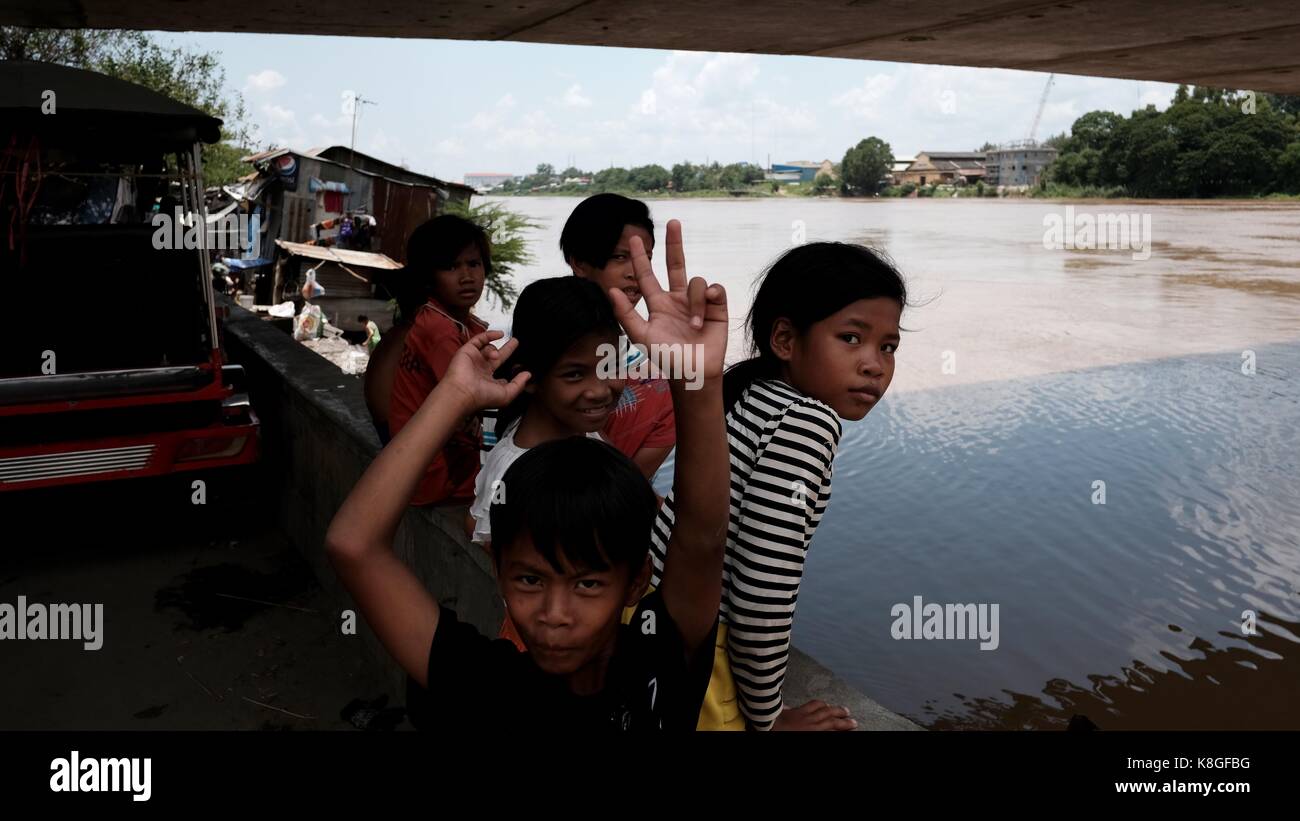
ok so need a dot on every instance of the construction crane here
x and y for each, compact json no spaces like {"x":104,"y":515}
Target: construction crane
{"x":1042,"y":103}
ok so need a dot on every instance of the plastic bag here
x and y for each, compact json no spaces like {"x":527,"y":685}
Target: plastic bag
{"x":308,"y":323}
{"x":311,"y":288}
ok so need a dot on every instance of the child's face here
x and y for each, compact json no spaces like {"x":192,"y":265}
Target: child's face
{"x":618,"y":272}
{"x":459,"y":287}
{"x":566,"y":619}
{"x":847,"y":359}
{"x":572,"y":393}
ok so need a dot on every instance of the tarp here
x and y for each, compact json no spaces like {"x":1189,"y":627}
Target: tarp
{"x":364,"y":259}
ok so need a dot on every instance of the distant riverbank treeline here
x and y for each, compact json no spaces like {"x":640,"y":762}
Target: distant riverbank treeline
{"x":683,"y":178}
{"x":1208,"y":143}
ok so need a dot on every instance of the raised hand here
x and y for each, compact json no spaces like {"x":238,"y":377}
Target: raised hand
{"x":690,"y":312}
{"x":470,"y":372}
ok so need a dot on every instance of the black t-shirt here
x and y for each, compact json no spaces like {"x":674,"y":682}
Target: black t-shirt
{"x":477,"y":683}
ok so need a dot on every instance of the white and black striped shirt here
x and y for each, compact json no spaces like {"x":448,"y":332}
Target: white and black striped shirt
{"x":782,"y":444}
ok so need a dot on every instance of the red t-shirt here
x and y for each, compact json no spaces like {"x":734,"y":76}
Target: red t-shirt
{"x":643,"y":417}
{"x":432,"y":341}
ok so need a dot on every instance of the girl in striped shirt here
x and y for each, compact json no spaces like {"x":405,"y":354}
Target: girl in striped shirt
{"x":823,"y":330}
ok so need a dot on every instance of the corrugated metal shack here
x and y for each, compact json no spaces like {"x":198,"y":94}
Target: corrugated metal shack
{"x":308,"y":188}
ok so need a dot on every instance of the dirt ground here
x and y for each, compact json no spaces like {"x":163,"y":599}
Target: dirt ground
{"x":210,"y":619}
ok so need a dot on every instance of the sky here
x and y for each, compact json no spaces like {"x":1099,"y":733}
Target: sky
{"x":448,"y":108}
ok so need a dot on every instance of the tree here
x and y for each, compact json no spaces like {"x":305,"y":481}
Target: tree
{"x":824,"y":183}
{"x":505,"y":230}
{"x":685,"y":177}
{"x":611,"y":179}
{"x":866,"y":164}
{"x":650,"y":177}
{"x":195,"y":78}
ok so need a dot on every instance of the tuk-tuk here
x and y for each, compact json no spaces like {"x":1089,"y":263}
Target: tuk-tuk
{"x":110,"y":356}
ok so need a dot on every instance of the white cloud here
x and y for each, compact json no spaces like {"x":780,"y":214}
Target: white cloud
{"x":574,"y":98}
{"x":866,"y":100}
{"x":277,"y":116}
{"x":495,"y":116}
{"x":268,"y":79}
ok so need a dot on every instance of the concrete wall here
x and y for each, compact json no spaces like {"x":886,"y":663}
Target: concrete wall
{"x":317,"y":440}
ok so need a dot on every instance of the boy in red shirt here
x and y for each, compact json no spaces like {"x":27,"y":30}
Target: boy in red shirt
{"x":596,"y":245}
{"x":451,"y":255}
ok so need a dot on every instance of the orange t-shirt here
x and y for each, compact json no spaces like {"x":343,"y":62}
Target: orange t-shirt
{"x":429,"y":346}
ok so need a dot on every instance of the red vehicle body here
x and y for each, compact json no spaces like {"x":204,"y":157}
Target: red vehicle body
{"x":110,"y":355}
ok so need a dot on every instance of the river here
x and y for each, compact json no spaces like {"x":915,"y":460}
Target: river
{"x":1100,"y":442}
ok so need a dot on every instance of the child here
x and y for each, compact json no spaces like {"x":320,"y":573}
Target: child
{"x":560,"y":324}
{"x":570,"y":550}
{"x":372,"y":332}
{"x":824,"y":326}
{"x":596,"y":243}
{"x":455,"y":254}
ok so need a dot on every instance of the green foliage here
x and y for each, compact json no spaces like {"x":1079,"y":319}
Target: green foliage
{"x":649,"y":177}
{"x":866,"y":164}
{"x":824,"y":183}
{"x":195,"y":78}
{"x":505,"y":230}
{"x":1208,"y":143}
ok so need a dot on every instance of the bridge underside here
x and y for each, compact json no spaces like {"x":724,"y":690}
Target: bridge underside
{"x":1237,"y":45}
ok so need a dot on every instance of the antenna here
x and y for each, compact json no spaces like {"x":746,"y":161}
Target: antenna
{"x":357,"y":100}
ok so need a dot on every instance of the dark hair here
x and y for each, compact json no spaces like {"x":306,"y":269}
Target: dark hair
{"x":578,"y":496}
{"x":593,"y":229}
{"x":362,"y":318}
{"x":550,"y":316}
{"x":805,"y":285}
{"x":432,"y":246}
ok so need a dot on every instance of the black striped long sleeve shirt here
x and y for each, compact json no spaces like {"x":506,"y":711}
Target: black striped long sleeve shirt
{"x":782,"y":444}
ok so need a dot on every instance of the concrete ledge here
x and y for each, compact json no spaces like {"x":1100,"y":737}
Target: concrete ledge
{"x":317,"y":440}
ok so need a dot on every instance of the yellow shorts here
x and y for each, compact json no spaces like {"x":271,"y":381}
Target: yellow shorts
{"x":721,"y":708}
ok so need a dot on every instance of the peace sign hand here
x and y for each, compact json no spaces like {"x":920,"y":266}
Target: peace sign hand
{"x":688,"y":313}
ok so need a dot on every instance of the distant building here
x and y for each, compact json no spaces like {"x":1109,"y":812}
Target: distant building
{"x":799,"y":171}
{"x":896,"y":170}
{"x":943,"y":168}
{"x":1018,"y":164}
{"x":486,"y":180}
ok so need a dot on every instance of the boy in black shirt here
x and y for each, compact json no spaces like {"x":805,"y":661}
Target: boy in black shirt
{"x":571,"y":533}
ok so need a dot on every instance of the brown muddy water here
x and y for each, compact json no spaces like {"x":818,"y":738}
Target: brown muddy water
{"x":1167,"y":370}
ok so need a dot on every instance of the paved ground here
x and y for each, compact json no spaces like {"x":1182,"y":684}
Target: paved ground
{"x":207,"y":610}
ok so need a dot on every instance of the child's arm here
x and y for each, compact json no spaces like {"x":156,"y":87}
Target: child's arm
{"x":689,"y":314}
{"x":359,"y":542}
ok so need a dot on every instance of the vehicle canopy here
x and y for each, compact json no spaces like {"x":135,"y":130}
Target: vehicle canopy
{"x":87,"y":164}
{"x":40,"y":98}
